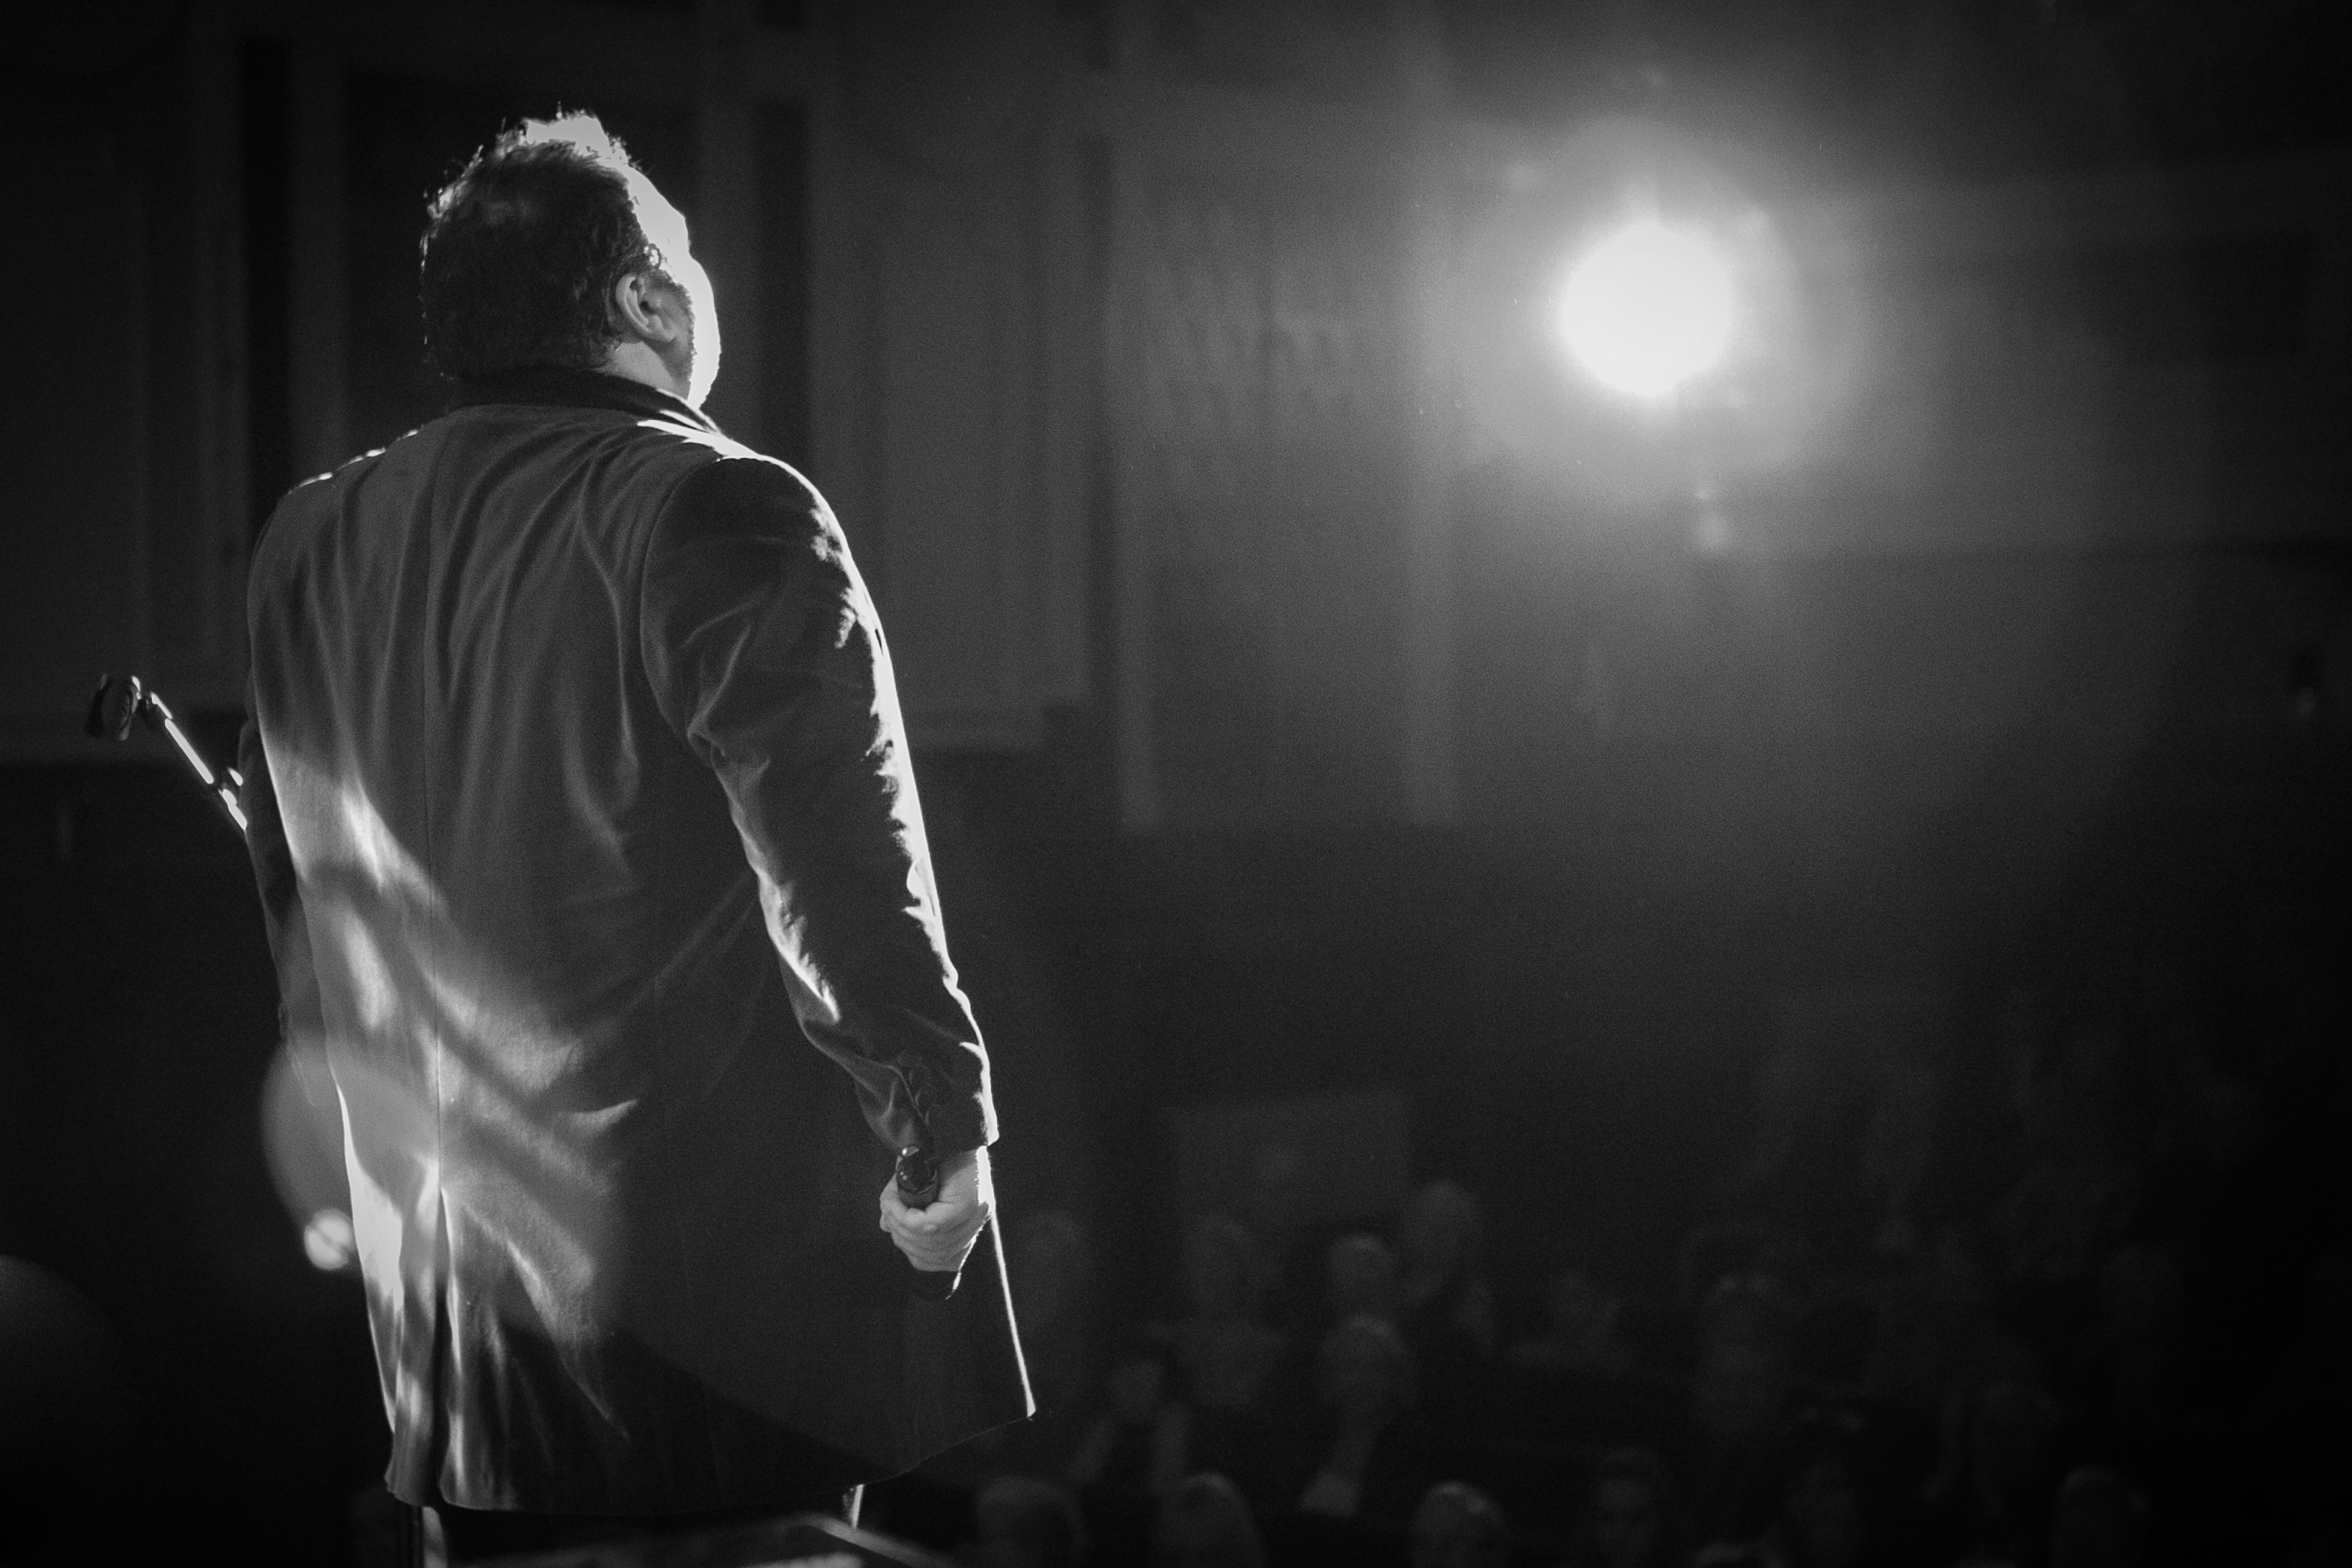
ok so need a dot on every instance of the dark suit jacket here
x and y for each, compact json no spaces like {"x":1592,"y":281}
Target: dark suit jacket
{"x":582,"y":810}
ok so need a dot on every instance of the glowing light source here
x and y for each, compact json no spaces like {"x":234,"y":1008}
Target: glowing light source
{"x":1647,"y":309}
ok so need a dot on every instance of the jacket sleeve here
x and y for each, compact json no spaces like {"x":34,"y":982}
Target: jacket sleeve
{"x":299,"y":1017}
{"x":764,"y":655}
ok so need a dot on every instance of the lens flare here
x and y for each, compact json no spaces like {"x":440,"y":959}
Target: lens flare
{"x":1647,"y":310}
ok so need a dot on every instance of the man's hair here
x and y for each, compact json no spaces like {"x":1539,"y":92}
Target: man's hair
{"x":522,"y":249}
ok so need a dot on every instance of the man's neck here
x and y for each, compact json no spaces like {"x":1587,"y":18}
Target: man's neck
{"x":637,"y":362}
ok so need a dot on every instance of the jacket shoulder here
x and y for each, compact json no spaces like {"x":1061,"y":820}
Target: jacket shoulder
{"x":313,"y":501}
{"x":728,"y":489}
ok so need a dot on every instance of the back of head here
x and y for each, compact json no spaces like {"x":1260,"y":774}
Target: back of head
{"x":2011,"y":1437}
{"x":1206,"y":1523}
{"x":1442,"y":1231}
{"x":1364,"y":1363}
{"x":1458,"y":1526}
{"x":2100,"y":1521}
{"x":1360,"y":1275}
{"x":522,"y":249}
{"x":1631,"y":1519}
{"x":1755,"y":1307}
{"x":1143,"y":1377}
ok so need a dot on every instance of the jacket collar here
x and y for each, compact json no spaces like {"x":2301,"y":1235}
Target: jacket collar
{"x":579,"y":389}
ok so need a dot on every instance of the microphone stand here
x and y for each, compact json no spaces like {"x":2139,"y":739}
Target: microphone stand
{"x":121,"y":701}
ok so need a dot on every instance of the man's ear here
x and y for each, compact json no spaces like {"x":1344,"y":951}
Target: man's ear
{"x":643,"y":310}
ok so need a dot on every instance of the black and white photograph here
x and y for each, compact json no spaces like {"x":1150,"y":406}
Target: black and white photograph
{"x":1177,"y":783}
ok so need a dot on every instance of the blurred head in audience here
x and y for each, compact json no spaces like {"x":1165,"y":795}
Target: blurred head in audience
{"x":1825,"y":1512}
{"x":1020,"y":1522}
{"x":1139,"y":1382}
{"x":1930,"y":1324}
{"x":1274,"y":1200}
{"x":1458,"y":1526}
{"x":1205,"y":1523}
{"x":2099,"y":1523}
{"x":1755,"y":1306}
{"x":1747,"y":1357}
{"x":1359,"y":1277}
{"x":1364,"y":1372}
{"x":1441,"y":1233}
{"x":1825,"y":1515}
{"x":1629,"y":1518}
{"x":2010,"y":1439}
{"x":1740,"y":1392}
{"x":1228,"y":1351}
{"x":1581,"y":1326}
{"x":1745,"y":1243}
{"x":1223,"y":1277}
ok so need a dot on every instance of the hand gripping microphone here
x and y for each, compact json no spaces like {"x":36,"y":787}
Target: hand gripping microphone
{"x":919,"y":1188}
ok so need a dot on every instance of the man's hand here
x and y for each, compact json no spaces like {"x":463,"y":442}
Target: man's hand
{"x":938,"y":1239}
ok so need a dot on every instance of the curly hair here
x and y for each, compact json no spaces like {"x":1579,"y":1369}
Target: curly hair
{"x":521,"y":251}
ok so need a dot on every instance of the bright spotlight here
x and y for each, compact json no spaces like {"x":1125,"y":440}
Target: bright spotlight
{"x":1647,"y":310}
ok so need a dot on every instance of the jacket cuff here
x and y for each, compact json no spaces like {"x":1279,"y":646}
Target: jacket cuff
{"x":952,"y":1119}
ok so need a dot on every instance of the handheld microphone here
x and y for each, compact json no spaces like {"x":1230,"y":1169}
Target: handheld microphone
{"x":919,"y":1188}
